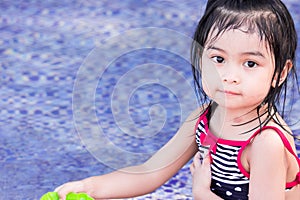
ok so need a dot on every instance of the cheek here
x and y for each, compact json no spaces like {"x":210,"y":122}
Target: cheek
{"x":210,"y":78}
{"x":205,"y":78}
{"x":265,"y":84}
{"x":258,"y":89}
{"x":205,"y":86}
{"x":210,"y":71}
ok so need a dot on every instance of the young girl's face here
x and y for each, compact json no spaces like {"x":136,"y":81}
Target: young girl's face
{"x":237,"y":69}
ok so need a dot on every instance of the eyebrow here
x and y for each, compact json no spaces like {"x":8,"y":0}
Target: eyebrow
{"x":253,"y":53}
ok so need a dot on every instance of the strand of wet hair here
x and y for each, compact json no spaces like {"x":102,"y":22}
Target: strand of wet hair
{"x":261,"y":124}
{"x":242,"y":124}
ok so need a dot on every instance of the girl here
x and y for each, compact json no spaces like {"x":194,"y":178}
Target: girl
{"x":248,"y":52}
{"x":242,"y":53}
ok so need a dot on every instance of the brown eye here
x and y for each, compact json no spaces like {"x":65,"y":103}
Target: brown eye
{"x":218,"y":59}
{"x":250,"y":64}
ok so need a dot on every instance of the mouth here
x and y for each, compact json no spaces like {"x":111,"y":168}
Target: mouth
{"x":230,"y":93}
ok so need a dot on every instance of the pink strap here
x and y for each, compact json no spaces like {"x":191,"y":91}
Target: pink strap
{"x":287,"y":145}
{"x":283,"y":138}
{"x":202,"y":116}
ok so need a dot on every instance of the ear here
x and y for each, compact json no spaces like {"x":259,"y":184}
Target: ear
{"x":288,"y":66}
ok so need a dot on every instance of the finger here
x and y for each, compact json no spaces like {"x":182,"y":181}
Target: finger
{"x":62,"y":191}
{"x":207,"y":160}
{"x":58,"y":188}
{"x":192,"y":168}
{"x":75,"y":186}
{"x":196,"y":160}
{"x":206,"y":164}
{"x":198,"y":155}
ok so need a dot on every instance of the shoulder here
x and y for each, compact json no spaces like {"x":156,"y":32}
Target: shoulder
{"x":273,"y":136}
{"x":188,"y":126}
{"x":198,"y":112}
{"x":267,"y":140}
{"x":268,"y":148}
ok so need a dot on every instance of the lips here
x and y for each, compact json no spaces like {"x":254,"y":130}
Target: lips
{"x":229,"y":92}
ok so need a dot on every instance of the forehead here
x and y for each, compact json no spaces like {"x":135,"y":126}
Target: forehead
{"x":239,"y":38}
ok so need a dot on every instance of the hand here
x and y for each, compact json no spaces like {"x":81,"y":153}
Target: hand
{"x":63,"y":190}
{"x":201,"y":175}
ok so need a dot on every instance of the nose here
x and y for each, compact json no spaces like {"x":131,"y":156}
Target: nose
{"x":231,"y":76}
{"x":230,"y":79}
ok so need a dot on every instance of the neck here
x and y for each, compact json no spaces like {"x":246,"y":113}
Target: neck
{"x":233,"y":116}
{"x":237,"y":120}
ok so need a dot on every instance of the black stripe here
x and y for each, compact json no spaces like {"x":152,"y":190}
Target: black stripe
{"x":223,"y":147}
{"x":233,"y":159}
{"x":226,"y":170}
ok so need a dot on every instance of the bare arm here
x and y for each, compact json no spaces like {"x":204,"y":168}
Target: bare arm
{"x":142,"y":179}
{"x":267,"y":159}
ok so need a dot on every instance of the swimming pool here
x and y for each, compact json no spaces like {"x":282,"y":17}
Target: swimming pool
{"x":52,"y":55}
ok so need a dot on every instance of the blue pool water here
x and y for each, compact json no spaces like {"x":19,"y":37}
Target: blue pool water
{"x":88,"y":87}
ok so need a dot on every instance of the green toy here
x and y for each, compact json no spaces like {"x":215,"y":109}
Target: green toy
{"x":70,"y":196}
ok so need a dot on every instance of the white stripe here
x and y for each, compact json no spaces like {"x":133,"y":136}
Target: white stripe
{"x":225,"y":156}
{"x":231,"y":170}
{"x":232,"y":163}
{"x":229,"y":151}
{"x":235,"y":148}
{"x":230,"y":182}
{"x":201,"y":128}
{"x":228,"y":170}
{"x":231,"y":176}
{"x":232,"y":179}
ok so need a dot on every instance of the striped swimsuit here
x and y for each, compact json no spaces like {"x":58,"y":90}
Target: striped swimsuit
{"x":229,"y":179}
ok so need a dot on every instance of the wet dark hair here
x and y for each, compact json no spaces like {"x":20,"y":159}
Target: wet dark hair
{"x":271,"y":20}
